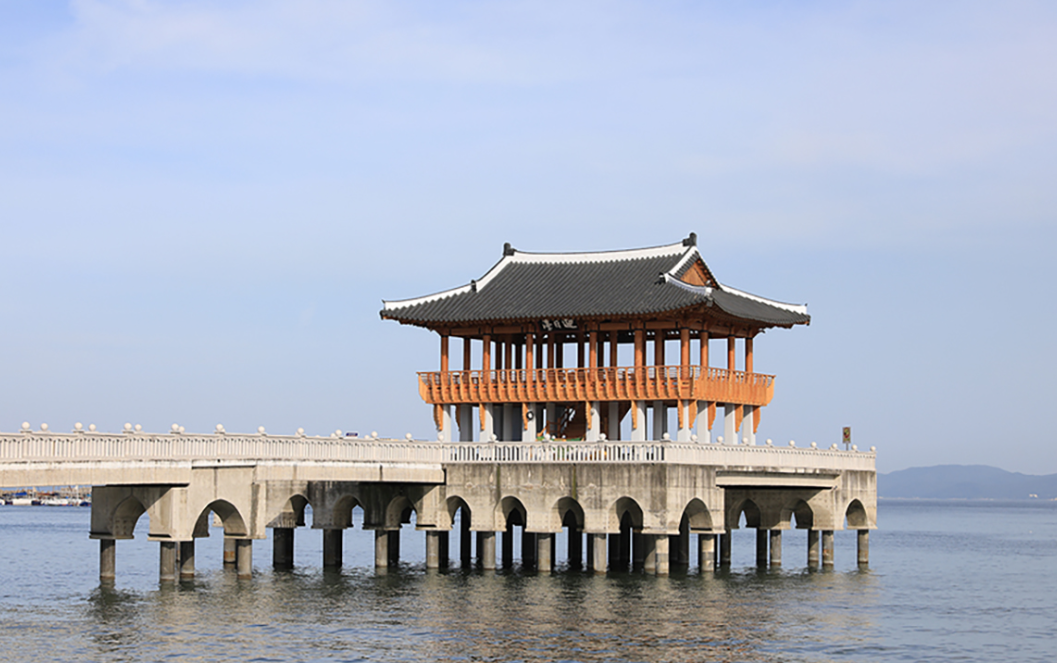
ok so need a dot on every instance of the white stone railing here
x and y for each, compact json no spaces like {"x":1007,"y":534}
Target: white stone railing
{"x":723,"y":455}
{"x":91,"y":446}
{"x":86,"y":446}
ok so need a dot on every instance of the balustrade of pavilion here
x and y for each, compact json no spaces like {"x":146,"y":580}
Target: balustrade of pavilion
{"x":518,"y":379}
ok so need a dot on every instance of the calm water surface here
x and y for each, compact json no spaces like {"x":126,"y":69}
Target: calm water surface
{"x":949,"y":581}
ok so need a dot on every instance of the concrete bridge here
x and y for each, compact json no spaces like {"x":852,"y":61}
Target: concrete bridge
{"x":634,"y":504}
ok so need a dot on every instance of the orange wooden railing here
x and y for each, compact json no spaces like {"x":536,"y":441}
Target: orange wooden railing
{"x":549,"y":385}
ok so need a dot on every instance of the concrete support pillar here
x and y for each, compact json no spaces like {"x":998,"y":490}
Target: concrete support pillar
{"x":332,"y":549}
{"x":761,"y":548}
{"x":747,"y":426}
{"x":594,"y":422}
{"x":638,"y":433}
{"x":283,"y":547}
{"x":381,"y":548}
{"x":187,"y":560}
{"x":661,"y":553}
{"x":528,"y":549}
{"x":446,"y":429}
{"x":488,"y":427}
{"x":394,"y":547}
{"x":244,"y":557}
{"x":706,"y":552}
{"x":432,"y":550}
{"x":724,"y":548}
{"x":466,"y":423}
{"x":596,"y":556}
{"x":508,"y":423}
{"x":660,"y":420}
{"x":529,"y":432}
{"x":638,"y":550}
{"x":167,"y":561}
{"x":545,"y":556}
{"x":863,"y":547}
{"x":618,"y":557}
{"x":465,"y":551}
{"x":827,"y":548}
{"x":730,"y":432}
{"x":107,"y":559}
{"x":443,"y":539}
{"x":685,"y":431}
{"x":680,"y":545}
{"x":704,"y":434}
{"x":229,"y":552}
{"x":486,"y":550}
{"x":812,"y":549}
{"x":649,"y":553}
{"x":613,"y":429}
{"x":575,"y":550}
{"x":776,"y":547}
{"x":508,"y":547}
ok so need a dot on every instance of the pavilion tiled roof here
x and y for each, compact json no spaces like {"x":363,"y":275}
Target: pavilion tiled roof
{"x":610,"y":284}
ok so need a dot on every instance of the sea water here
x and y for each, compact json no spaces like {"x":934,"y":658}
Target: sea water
{"x":948,"y":581}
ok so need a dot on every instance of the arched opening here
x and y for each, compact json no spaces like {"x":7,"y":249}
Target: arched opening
{"x":746,"y":512}
{"x":571,"y":516}
{"x":125,"y":516}
{"x":461,"y":521}
{"x":516,"y":542}
{"x":230,"y":519}
{"x":855,"y":516}
{"x":695,"y":519}
{"x":799,"y":515}
{"x":626,"y":549}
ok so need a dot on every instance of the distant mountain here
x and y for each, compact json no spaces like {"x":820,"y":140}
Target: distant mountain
{"x":965,"y":482}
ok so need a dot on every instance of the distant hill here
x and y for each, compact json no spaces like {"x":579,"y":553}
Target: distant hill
{"x":965,"y":482}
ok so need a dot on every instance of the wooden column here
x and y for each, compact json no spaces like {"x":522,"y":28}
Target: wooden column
{"x":593,"y":345}
{"x":486,"y":354}
{"x":731,"y":341}
{"x":530,"y":342}
{"x":748,"y":355}
{"x":443,"y":353}
{"x":508,"y":353}
{"x":704,"y":351}
{"x":466,"y":354}
{"x":684,"y":350}
{"x":580,"y":351}
{"x":550,"y":350}
{"x":658,"y":348}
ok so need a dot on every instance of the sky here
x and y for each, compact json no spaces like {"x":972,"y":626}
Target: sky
{"x":203,"y":204}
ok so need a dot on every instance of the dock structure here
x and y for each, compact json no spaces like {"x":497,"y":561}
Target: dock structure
{"x":544,"y":444}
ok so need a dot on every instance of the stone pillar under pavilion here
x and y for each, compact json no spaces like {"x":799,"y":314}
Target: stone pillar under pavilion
{"x":537,"y":329}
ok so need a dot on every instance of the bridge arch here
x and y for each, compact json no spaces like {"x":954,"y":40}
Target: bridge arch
{"x":800,"y":513}
{"x":453,"y":504}
{"x":125,"y":516}
{"x":233,"y":522}
{"x":856,"y":516}
{"x":698,"y":516}
{"x":341,"y":511}
{"x":624,"y":510}
{"x":749,"y":509}
{"x":399,"y":512}
{"x":567,"y":512}
{"x":512,"y":512}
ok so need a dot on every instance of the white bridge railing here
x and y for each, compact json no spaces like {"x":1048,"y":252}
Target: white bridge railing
{"x":87,"y":447}
{"x":91,"y":446}
{"x":675,"y":453}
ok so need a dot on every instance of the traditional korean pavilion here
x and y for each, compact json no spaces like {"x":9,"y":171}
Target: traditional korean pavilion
{"x":570,"y":345}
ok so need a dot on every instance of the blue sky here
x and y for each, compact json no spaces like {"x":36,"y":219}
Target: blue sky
{"x":202,"y":204}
